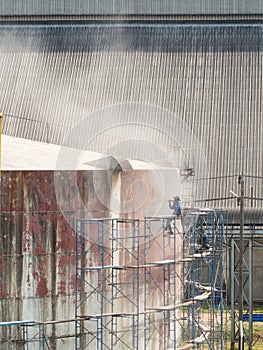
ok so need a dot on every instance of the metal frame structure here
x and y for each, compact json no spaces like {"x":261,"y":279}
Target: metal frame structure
{"x":252,"y":239}
{"x":205,"y":246}
{"x":140,"y":287}
{"x":187,"y":281}
{"x":21,"y":330}
{"x":236,"y":327}
{"x":32,"y":335}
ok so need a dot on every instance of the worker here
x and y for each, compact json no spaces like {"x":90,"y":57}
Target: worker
{"x":178,"y":200}
{"x":176,"y":205}
{"x":202,"y":239}
{"x":202,"y":242}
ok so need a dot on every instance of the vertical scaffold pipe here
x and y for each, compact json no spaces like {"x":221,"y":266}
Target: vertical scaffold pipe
{"x":241,"y":257}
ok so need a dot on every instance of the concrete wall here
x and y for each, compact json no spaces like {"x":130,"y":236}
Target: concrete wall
{"x":129,"y":7}
{"x":37,"y":242}
{"x":37,"y":251}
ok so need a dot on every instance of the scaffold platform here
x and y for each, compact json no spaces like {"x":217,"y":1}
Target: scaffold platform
{"x":141,"y":288}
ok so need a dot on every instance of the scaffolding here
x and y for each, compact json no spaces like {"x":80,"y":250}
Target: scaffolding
{"x":33,"y":335}
{"x":252,"y":242}
{"x":141,"y":287}
{"x":205,"y":243}
{"x":138,"y":286}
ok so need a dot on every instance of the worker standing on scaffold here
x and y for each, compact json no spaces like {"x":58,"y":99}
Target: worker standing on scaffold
{"x":175,"y":205}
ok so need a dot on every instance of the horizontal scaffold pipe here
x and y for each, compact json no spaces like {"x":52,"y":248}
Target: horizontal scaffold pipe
{"x":197,"y":298}
{"x":147,"y":265}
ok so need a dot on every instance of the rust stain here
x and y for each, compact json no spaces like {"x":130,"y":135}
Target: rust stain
{"x":62,"y":287}
{"x":3,"y":295}
{"x":67,"y":260}
{"x":72,"y":282}
{"x":42,"y":289}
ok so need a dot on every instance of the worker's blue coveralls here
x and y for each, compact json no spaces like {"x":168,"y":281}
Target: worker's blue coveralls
{"x":176,"y":206}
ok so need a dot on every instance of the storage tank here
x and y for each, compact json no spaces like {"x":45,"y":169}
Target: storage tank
{"x":39,"y":209}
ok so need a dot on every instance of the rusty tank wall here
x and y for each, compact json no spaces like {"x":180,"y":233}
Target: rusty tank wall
{"x":37,"y":242}
{"x":37,"y":248}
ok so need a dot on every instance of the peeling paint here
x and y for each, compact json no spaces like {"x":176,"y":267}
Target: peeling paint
{"x":38,"y":244}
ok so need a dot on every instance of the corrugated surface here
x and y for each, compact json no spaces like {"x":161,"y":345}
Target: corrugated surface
{"x":210,"y":76}
{"x":252,"y":216}
{"x":67,"y":7}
